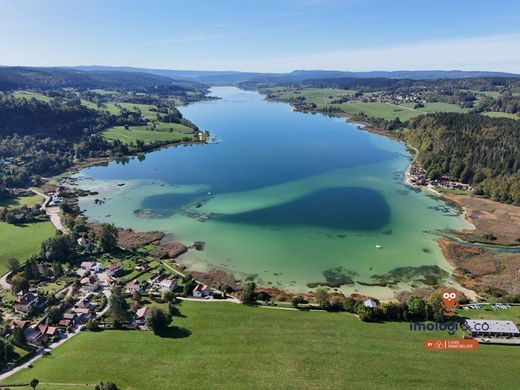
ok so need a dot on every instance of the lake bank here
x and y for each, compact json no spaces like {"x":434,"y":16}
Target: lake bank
{"x":272,"y":209}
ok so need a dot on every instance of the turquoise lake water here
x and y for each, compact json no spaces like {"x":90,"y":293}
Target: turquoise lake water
{"x":281,"y":197}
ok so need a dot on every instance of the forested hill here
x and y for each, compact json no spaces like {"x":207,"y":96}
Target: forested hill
{"x":37,"y":118}
{"x":12,"y":78}
{"x":471,"y":148}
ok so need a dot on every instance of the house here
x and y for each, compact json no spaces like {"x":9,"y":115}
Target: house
{"x":82,"y":272}
{"x":370,"y":303}
{"x":114,"y":268}
{"x":140,"y":316}
{"x":68,"y":316}
{"x":39,"y":334}
{"x":65,"y":323}
{"x":134,"y":287}
{"x":82,"y":314}
{"x":89,"y":283}
{"x":83,"y":242}
{"x":491,"y":328}
{"x":26,"y":302}
{"x":201,"y":291}
{"x":91,"y":266}
{"x":105,"y":280}
{"x":167,"y":284}
{"x":142,"y":267}
{"x":22,"y":324}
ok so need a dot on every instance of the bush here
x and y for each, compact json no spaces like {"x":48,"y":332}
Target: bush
{"x":93,"y":326}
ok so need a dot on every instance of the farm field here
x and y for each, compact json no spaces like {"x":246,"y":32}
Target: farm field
{"x":162,"y":133}
{"x":323,"y":97}
{"x":224,"y":345}
{"x":22,"y":241}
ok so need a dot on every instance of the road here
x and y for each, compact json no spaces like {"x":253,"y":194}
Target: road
{"x":53,"y":212}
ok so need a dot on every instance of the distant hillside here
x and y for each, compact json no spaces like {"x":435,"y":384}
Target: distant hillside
{"x":12,"y":78}
{"x":231,"y":77}
{"x":206,"y":77}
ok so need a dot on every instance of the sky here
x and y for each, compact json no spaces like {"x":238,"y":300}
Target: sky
{"x":263,"y":35}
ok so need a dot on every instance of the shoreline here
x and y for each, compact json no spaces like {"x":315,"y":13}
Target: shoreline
{"x":363,"y":125}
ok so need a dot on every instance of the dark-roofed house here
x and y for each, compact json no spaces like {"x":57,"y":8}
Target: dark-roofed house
{"x":26,"y":302}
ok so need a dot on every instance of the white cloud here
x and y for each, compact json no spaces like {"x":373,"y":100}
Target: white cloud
{"x":500,"y":53}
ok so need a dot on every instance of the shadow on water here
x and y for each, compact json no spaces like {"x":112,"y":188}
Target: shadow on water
{"x":347,"y":208}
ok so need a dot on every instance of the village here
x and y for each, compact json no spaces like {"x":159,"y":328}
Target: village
{"x":416,"y":175}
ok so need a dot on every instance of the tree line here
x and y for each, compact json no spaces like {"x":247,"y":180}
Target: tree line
{"x":470,"y":148}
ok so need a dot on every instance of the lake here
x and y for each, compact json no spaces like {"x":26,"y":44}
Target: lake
{"x":281,"y":197}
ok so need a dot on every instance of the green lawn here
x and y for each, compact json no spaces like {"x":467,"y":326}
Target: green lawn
{"x":487,"y":313}
{"x":322,"y":97}
{"x":228,"y":346}
{"x":141,"y":132}
{"x":30,"y":95}
{"x":22,"y":241}
{"x":497,"y":114}
{"x":21,"y":201}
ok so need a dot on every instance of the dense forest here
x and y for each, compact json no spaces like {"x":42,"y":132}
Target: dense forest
{"x":13,"y":78}
{"x":34,"y":117}
{"x":471,"y":148}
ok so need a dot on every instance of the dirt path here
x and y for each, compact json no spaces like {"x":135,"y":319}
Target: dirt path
{"x":53,"y":212}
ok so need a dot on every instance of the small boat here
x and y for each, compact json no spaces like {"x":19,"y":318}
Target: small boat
{"x":378,"y":246}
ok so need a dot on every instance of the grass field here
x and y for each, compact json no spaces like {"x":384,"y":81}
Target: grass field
{"x":323,"y":97}
{"x":21,"y":201}
{"x":486,"y":313}
{"x":228,"y":346}
{"x":30,"y":95}
{"x":496,"y":114}
{"x":141,"y":133}
{"x":22,"y":241}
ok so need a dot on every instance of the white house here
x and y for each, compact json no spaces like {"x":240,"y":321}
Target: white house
{"x":370,"y":303}
{"x":92,"y":266}
{"x":83,"y":242}
{"x":114,"y":268}
{"x":167,"y":284}
{"x":201,"y":291}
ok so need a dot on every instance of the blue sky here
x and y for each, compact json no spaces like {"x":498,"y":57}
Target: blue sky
{"x":263,"y":35}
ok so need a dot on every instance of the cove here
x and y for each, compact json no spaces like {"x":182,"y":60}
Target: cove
{"x":281,"y":197}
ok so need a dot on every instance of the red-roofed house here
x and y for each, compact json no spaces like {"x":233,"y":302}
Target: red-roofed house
{"x":201,"y":291}
{"x":114,"y":268}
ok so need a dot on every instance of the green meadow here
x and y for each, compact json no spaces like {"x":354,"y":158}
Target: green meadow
{"x":323,"y":98}
{"x":22,"y":241}
{"x":163,"y":132}
{"x":228,"y":346}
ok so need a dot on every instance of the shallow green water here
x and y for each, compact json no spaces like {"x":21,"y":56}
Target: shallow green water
{"x":282,"y":197}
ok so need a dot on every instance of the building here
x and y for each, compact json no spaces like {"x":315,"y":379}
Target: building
{"x":140,"y":316}
{"x":114,"y":268}
{"x":91,"y":266}
{"x":83,"y":242}
{"x":89,"y":283}
{"x":370,"y":303}
{"x":491,"y":328}
{"x":201,"y":291}
{"x":26,"y":302}
{"x":134,"y":287}
{"x":167,"y":284}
